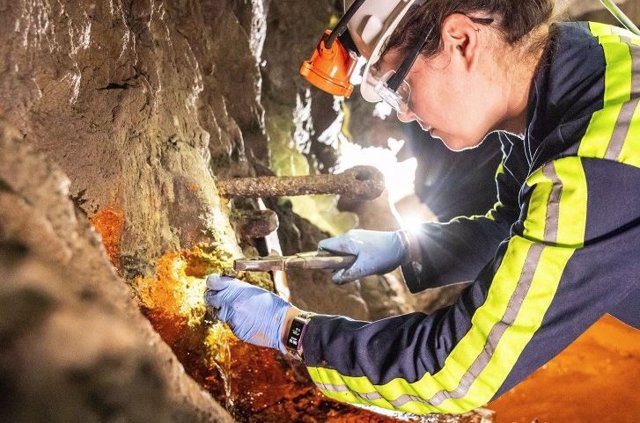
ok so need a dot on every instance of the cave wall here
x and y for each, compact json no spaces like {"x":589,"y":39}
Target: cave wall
{"x":131,"y":109}
{"x":142,"y":105}
{"x":73,"y":346}
{"x":134,"y":100}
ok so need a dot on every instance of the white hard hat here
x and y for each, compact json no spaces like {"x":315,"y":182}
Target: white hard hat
{"x":370,"y":27}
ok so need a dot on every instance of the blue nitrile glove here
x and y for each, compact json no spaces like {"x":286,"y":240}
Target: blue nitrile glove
{"x":254,"y":315}
{"x":376,"y":252}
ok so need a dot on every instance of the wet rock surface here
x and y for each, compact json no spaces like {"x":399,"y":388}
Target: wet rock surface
{"x":73,"y":344}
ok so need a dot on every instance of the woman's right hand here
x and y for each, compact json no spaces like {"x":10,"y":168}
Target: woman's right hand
{"x":376,"y":252}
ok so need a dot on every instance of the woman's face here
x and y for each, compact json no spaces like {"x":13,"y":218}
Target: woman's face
{"x":456,"y":95}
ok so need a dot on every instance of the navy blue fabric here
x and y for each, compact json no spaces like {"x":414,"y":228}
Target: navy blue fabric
{"x":407,"y":345}
{"x":599,"y":278}
{"x":454,"y":183}
{"x":568,"y":88}
{"x":628,"y":311}
{"x":456,"y":251}
{"x":603,"y":277}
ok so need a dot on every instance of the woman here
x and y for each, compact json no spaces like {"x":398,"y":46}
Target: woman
{"x":557,"y":252}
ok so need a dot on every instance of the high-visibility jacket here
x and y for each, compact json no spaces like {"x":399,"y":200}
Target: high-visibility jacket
{"x":560,"y":249}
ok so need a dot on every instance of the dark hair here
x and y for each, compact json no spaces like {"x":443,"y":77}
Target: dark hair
{"x":514,"y":19}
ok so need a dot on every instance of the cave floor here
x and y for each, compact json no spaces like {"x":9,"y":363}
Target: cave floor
{"x":594,"y":380}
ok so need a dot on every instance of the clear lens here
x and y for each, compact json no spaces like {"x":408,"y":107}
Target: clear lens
{"x":399,"y":99}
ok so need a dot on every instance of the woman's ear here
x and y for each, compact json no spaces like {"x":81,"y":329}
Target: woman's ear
{"x":460,"y":38}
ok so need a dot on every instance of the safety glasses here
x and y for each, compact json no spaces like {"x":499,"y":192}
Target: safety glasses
{"x":398,"y":98}
{"x":392,"y":87}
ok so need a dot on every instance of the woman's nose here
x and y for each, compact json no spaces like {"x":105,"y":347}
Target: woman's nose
{"x":406,"y":116}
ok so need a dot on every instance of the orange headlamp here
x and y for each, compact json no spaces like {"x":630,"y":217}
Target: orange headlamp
{"x":330,"y":68}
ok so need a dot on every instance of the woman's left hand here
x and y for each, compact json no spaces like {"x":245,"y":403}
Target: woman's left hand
{"x":255,"y":315}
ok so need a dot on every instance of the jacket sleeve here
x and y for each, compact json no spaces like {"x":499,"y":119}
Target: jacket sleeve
{"x":572,"y":257}
{"x":456,"y":251}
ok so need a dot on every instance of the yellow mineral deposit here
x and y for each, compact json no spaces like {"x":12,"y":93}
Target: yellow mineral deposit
{"x":255,"y":384}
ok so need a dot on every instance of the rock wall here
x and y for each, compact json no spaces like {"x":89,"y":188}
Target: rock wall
{"x":143,"y":104}
{"x":134,"y":100}
{"x":73,"y":346}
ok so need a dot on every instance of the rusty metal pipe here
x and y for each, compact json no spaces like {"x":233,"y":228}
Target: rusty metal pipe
{"x":362,"y":182}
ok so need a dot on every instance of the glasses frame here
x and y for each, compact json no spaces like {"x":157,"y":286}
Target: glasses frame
{"x":401,"y":73}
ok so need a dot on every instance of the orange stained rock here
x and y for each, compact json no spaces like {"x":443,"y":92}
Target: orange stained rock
{"x":255,"y":384}
{"x":595,"y":380}
{"x":109,"y":223}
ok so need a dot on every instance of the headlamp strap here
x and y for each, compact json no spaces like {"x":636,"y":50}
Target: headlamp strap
{"x":394,"y":82}
{"x":342,"y":24}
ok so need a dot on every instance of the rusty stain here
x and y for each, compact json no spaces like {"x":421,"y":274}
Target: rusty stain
{"x":109,"y":222}
{"x":193,"y":187}
{"x":255,"y":384}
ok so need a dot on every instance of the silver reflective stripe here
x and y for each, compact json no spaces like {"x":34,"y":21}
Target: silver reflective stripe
{"x":332,"y":388}
{"x":481,"y":362}
{"x":553,"y":206}
{"x":498,"y":330}
{"x":372,"y":396}
{"x":621,"y":130}
{"x":635,"y":81}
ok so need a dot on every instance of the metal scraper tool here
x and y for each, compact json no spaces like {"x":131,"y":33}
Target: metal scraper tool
{"x":307,"y":260}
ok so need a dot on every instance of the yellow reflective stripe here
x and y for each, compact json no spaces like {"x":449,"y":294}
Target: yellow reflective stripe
{"x":331,"y":384}
{"x":619,"y":64}
{"x":517,"y":300}
{"x":460,"y":359}
{"x":517,"y":336}
{"x":619,"y":73}
{"x":612,"y":131}
{"x":630,"y":153}
{"x":534,"y":226}
{"x":560,"y":185}
{"x":572,"y":221}
{"x":618,"y":90}
{"x":472,"y":345}
{"x":491,"y":214}
{"x":599,"y":132}
{"x":600,"y":29}
{"x":462,"y":356}
{"x":623,"y":32}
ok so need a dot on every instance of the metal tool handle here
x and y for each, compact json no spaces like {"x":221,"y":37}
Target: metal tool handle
{"x":309,"y":260}
{"x":319,"y":260}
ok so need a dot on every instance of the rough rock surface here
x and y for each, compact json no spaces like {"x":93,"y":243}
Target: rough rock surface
{"x":73,"y":344}
{"x":143,"y":104}
{"x":132,"y":99}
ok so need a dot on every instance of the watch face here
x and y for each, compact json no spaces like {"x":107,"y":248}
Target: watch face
{"x":295,"y":332}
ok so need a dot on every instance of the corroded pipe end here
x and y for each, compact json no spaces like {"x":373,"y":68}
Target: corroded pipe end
{"x":368,"y":182}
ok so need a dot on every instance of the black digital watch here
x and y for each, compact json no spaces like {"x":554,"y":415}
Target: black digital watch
{"x":296,"y":331}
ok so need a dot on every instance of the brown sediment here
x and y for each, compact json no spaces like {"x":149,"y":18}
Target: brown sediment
{"x":594,"y":380}
{"x":255,"y":384}
{"x":109,"y":222}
